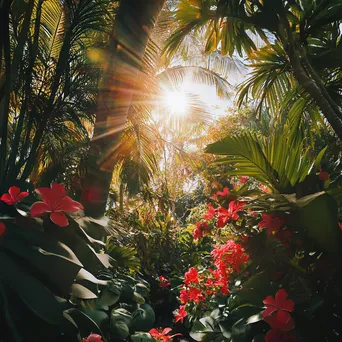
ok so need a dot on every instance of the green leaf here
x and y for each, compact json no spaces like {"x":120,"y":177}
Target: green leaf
{"x":319,"y":219}
{"x":32,"y":292}
{"x":142,"y":337}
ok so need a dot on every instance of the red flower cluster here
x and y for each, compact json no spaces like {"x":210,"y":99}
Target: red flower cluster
{"x":14,"y":195}
{"x":163,"y":282}
{"x":229,"y":257}
{"x":55,"y":202}
{"x":161,"y":335}
{"x":223,"y":214}
{"x":92,"y":338}
{"x":198,"y":286}
{"x":201,"y":229}
{"x":277,"y":315}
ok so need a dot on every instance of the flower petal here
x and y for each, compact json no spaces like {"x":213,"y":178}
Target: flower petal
{"x":2,"y":228}
{"x":283,"y":317}
{"x":21,"y":196}
{"x":268,"y":311}
{"x":269,"y":300}
{"x":280,"y":298}
{"x":166,"y":331}
{"x":58,"y":190}
{"x":44,"y":191}
{"x":14,"y":191}
{"x":59,"y":219}
{"x":38,"y":209}
{"x":68,"y":205}
{"x":288,"y":305}
{"x":273,"y":336}
{"x":154,"y":333}
{"x":7,"y":199}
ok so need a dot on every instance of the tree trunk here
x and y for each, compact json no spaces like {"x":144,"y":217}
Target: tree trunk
{"x":133,"y":25}
{"x":307,"y":81}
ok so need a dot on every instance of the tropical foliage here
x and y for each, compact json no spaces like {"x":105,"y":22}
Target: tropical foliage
{"x":170,"y":170}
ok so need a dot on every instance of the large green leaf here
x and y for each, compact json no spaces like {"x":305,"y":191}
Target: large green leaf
{"x":272,"y":160}
{"x":33,"y":293}
{"x":319,"y":220}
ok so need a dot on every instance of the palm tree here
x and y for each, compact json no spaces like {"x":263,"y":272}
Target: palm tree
{"x":134,"y":21}
{"x":48,"y":86}
{"x":302,"y":33}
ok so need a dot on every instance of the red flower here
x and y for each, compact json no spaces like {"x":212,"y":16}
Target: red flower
{"x":223,"y":217}
{"x":195,"y":295}
{"x":161,"y":335}
{"x":191,"y":276}
{"x":2,"y":229}
{"x":279,"y":336}
{"x":264,"y":188}
{"x":210,"y":213}
{"x":234,"y":207}
{"x":229,"y":256}
{"x":197,"y":234}
{"x":163,"y":282}
{"x":201,"y":229}
{"x":92,"y":338}
{"x":277,"y":312}
{"x":323,"y":176}
{"x":180,"y":314}
{"x":184,"y":296}
{"x":271,"y":222}
{"x":14,"y":195}
{"x":223,"y":193}
{"x":55,"y":202}
{"x":243,"y":179}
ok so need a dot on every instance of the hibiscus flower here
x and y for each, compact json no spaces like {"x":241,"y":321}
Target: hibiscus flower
{"x":180,"y":314}
{"x":92,"y":338}
{"x":277,"y":312}
{"x":56,"y":203}
{"x":14,"y":195}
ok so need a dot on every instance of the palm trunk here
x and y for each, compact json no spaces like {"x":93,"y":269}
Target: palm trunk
{"x":309,"y":82}
{"x":134,"y":22}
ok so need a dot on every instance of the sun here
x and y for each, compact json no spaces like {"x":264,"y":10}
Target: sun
{"x":176,"y":102}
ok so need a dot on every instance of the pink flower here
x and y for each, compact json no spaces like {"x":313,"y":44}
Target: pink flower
{"x":277,"y":312}
{"x":14,"y":195}
{"x":92,"y":338}
{"x":55,"y":202}
{"x":180,"y":314}
{"x":162,"y":335}
{"x":2,"y":229}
